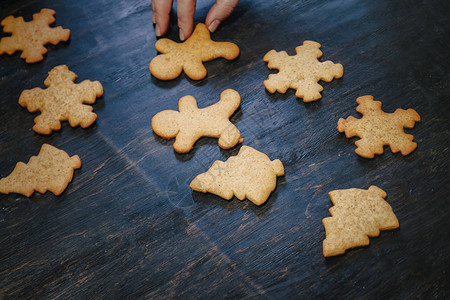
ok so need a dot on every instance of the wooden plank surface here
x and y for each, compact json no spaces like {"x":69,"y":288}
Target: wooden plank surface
{"x":128,"y":226}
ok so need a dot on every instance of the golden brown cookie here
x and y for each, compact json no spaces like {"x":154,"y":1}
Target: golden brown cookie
{"x":30,"y":37}
{"x":377,"y":128}
{"x":301,"y":71}
{"x":189,"y":55}
{"x":191,"y":123}
{"x":251,"y":174}
{"x":356,"y":215}
{"x":62,"y":101}
{"x":51,"y":170}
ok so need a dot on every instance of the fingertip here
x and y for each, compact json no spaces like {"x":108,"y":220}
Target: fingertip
{"x":161,"y":15}
{"x":185,"y":12}
{"x":220,"y":11}
{"x":213,"y":26}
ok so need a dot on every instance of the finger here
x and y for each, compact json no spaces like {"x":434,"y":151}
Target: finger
{"x":219,"y":12}
{"x":161,"y":15}
{"x":185,"y":11}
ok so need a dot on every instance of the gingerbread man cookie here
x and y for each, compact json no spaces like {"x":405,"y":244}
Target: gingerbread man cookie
{"x":189,"y":55}
{"x":62,"y":101}
{"x":301,"y":71}
{"x":251,"y":174}
{"x":191,"y":123}
{"x":356,"y":215}
{"x":377,"y":128}
{"x":51,"y":170}
{"x":30,"y":37}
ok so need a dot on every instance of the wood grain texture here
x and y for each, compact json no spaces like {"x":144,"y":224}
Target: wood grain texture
{"x":128,"y":226}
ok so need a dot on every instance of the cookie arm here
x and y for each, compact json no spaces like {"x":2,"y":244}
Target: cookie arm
{"x":226,"y":50}
{"x":228,"y":103}
{"x":165,"y":45}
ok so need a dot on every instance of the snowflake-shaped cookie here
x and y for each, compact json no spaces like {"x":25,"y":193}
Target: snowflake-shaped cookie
{"x":377,"y":128}
{"x":301,"y":71}
{"x":62,"y":101}
{"x":30,"y":37}
{"x":189,"y":55}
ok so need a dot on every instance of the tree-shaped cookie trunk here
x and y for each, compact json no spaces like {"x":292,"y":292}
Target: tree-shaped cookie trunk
{"x":189,"y":55}
{"x":251,"y":174}
{"x":377,"y":128}
{"x":30,"y":37}
{"x":356,"y":215}
{"x":192,"y":123}
{"x":51,"y":170}
{"x":62,"y":101}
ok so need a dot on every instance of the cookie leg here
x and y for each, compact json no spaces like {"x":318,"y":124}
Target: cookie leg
{"x":184,"y":142}
{"x":229,"y":137}
{"x":194,"y":70}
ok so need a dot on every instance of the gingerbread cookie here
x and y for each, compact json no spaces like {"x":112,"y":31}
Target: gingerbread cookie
{"x":377,"y":128}
{"x":189,"y":55}
{"x":30,"y":37}
{"x":356,"y":215}
{"x":191,"y":123}
{"x":51,"y":170}
{"x":301,"y":71}
{"x":251,"y":174}
{"x":62,"y":101}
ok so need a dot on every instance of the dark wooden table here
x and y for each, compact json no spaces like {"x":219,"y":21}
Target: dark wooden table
{"x":128,"y":226}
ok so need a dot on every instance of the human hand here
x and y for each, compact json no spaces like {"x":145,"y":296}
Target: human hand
{"x":185,"y":11}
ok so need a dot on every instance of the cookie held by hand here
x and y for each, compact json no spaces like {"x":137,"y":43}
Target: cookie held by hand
{"x":251,"y":174}
{"x":189,"y":55}
{"x":301,"y":71}
{"x":30,"y":37}
{"x":357,"y":214}
{"x":377,"y":128}
{"x":62,"y":101}
{"x":191,"y":123}
{"x":51,"y":170}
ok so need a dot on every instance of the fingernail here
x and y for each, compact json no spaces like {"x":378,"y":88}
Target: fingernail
{"x":157,"y":31}
{"x":154,"y":18}
{"x":214,"y":25}
{"x":181,"y":35}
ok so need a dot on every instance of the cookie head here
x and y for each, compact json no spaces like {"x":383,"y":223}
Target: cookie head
{"x":165,"y":124}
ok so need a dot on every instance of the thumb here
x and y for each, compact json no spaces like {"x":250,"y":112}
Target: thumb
{"x":219,"y":12}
